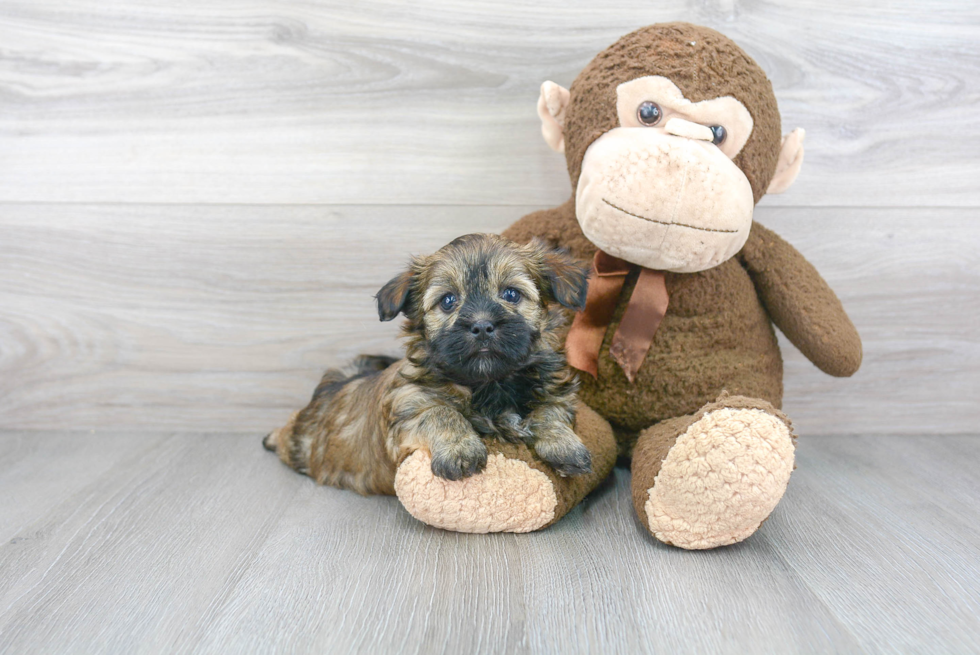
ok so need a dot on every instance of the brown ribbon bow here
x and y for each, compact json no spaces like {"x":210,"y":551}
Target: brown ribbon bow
{"x":644,"y":312}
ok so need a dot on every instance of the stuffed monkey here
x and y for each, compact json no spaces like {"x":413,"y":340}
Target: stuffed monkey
{"x":671,"y":136}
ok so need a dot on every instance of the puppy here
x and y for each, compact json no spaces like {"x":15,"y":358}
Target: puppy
{"x":483,"y":358}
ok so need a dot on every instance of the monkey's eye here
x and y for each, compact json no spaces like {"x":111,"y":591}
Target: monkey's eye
{"x":649,"y":113}
{"x":511,"y":295}
{"x":448,"y":302}
{"x":720,"y":134}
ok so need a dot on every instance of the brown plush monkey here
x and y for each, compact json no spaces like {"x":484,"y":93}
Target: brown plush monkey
{"x":671,"y":137}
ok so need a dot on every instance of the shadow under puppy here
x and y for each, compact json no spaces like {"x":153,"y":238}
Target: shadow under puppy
{"x":483,"y":357}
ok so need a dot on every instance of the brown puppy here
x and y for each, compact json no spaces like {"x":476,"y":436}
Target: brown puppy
{"x":483,"y":357}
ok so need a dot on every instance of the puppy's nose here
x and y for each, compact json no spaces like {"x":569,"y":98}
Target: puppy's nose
{"x":482,"y":328}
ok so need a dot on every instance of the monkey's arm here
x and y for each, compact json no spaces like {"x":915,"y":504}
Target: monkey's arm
{"x":801,"y":304}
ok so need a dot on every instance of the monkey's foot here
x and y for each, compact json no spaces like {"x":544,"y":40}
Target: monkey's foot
{"x":711,"y":479}
{"x":516,"y":492}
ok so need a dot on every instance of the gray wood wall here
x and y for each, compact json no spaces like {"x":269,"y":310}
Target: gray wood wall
{"x":198,"y":200}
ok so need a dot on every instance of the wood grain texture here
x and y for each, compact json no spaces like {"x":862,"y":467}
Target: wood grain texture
{"x":205,"y":544}
{"x":223,"y":318}
{"x":198,"y":202}
{"x":890,"y":521}
{"x":39,"y":473}
{"x":290,"y":102}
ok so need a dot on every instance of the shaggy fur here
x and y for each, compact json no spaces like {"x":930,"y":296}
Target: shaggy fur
{"x":483,"y":358}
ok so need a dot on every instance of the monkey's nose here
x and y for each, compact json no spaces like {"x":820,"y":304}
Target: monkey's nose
{"x":689,"y":130}
{"x":482,"y":328}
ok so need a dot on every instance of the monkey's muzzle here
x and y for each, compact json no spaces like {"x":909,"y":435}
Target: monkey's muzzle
{"x":663,"y":201}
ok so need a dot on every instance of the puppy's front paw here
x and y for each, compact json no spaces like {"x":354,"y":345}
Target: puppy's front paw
{"x":511,"y":428}
{"x":567,"y":455}
{"x":459,"y":460}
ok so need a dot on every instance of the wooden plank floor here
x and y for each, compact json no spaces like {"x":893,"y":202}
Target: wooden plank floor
{"x":205,"y":543}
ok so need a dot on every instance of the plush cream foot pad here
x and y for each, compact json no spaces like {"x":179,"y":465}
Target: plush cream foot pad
{"x":721,"y":479}
{"x":508,"y":496}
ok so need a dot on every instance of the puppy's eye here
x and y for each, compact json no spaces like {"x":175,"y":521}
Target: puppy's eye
{"x":448,"y":302}
{"x":511,"y":295}
{"x":719,"y":134}
{"x":649,"y":113}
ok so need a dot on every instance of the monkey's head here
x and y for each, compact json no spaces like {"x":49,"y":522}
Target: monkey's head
{"x":480,"y":306}
{"x":671,"y":136}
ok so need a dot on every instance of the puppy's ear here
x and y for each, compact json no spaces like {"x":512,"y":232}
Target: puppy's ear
{"x":393,"y":297}
{"x":566,"y":278}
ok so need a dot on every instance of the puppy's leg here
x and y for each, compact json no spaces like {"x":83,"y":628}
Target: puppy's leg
{"x":457,"y":451}
{"x":372,"y":363}
{"x":556,"y":443}
{"x":337,"y":439}
{"x":294,"y":445}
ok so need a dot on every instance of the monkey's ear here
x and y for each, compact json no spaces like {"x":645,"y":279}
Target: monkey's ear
{"x":393,"y":297}
{"x":790,"y":160}
{"x":551,"y":110}
{"x":566,"y":279}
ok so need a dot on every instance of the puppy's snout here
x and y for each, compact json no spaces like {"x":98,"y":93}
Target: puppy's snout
{"x":482,"y":328}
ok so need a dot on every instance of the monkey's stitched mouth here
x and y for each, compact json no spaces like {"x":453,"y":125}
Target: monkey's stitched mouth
{"x":653,"y":220}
